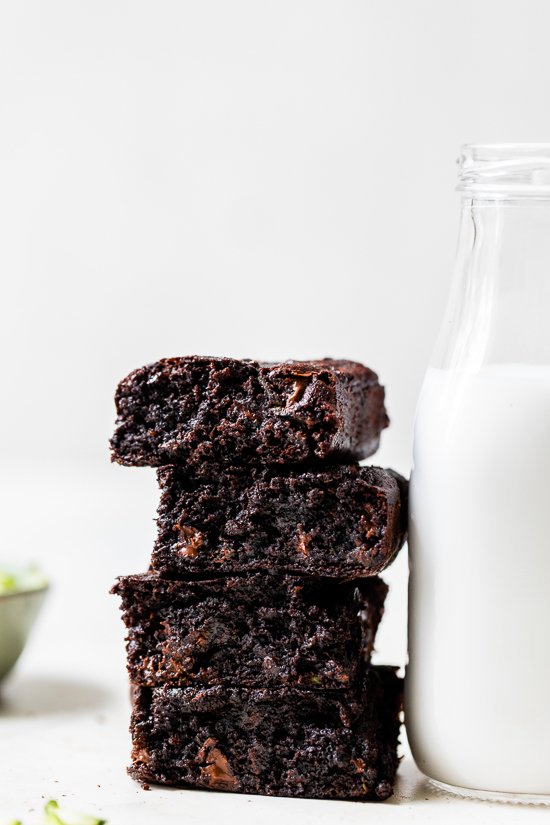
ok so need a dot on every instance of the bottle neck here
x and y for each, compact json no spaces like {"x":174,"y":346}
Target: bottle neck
{"x":505,"y":172}
{"x":499,"y":309}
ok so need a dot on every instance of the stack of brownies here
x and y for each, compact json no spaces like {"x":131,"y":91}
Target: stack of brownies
{"x":249,"y":640}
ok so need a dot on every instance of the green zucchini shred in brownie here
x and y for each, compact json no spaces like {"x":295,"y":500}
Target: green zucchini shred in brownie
{"x":253,"y":631}
{"x":224,"y":411}
{"x":285,"y":742}
{"x":343,"y":521}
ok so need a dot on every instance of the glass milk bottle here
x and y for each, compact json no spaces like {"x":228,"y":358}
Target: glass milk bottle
{"x":478,"y":680}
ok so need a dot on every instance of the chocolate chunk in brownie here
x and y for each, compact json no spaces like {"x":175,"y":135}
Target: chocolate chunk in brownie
{"x":283,"y":742}
{"x":224,"y":411}
{"x":344,"y":521}
{"x":249,"y":631}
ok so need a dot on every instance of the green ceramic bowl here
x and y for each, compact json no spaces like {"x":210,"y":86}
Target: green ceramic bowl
{"x":22,"y":594}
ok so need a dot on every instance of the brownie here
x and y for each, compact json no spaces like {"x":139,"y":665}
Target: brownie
{"x":224,"y":411}
{"x":253,"y":631}
{"x":283,"y":742}
{"x":343,"y":521}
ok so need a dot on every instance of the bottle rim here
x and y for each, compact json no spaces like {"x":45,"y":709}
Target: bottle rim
{"x":504,"y":171}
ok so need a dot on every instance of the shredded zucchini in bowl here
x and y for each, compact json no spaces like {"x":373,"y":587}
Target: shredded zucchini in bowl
{"x":20,"y":579}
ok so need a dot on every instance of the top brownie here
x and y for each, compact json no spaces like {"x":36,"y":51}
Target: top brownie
{"x":223,"y":411}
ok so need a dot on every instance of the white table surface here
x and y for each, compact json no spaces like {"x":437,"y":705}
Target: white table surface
{"x":65,"y":709}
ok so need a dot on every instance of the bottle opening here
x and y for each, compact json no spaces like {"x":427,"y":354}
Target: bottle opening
{"x":505,"y":171}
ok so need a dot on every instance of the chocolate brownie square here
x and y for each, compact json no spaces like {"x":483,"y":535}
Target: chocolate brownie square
{"x":197,"y":409}
{"x":343,"y":521}
{"x":285,"y":742}
{"x":249,"y":631}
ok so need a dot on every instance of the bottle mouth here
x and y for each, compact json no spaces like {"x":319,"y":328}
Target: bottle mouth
{"x":505,"y":171}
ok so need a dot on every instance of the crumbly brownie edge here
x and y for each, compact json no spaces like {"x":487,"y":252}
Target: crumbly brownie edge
{"x":257,"y":630}
{"x":327,"y":747}
{"x":215,"y":410}
{"x":343,"y":521}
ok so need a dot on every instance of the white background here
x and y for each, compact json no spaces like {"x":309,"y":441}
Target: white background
{"x":261,"y":179}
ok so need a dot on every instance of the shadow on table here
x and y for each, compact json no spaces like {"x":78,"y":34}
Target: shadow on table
{"x":420,"y":791}
{"x":412,"y":786}
{"x":39,"y":695}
